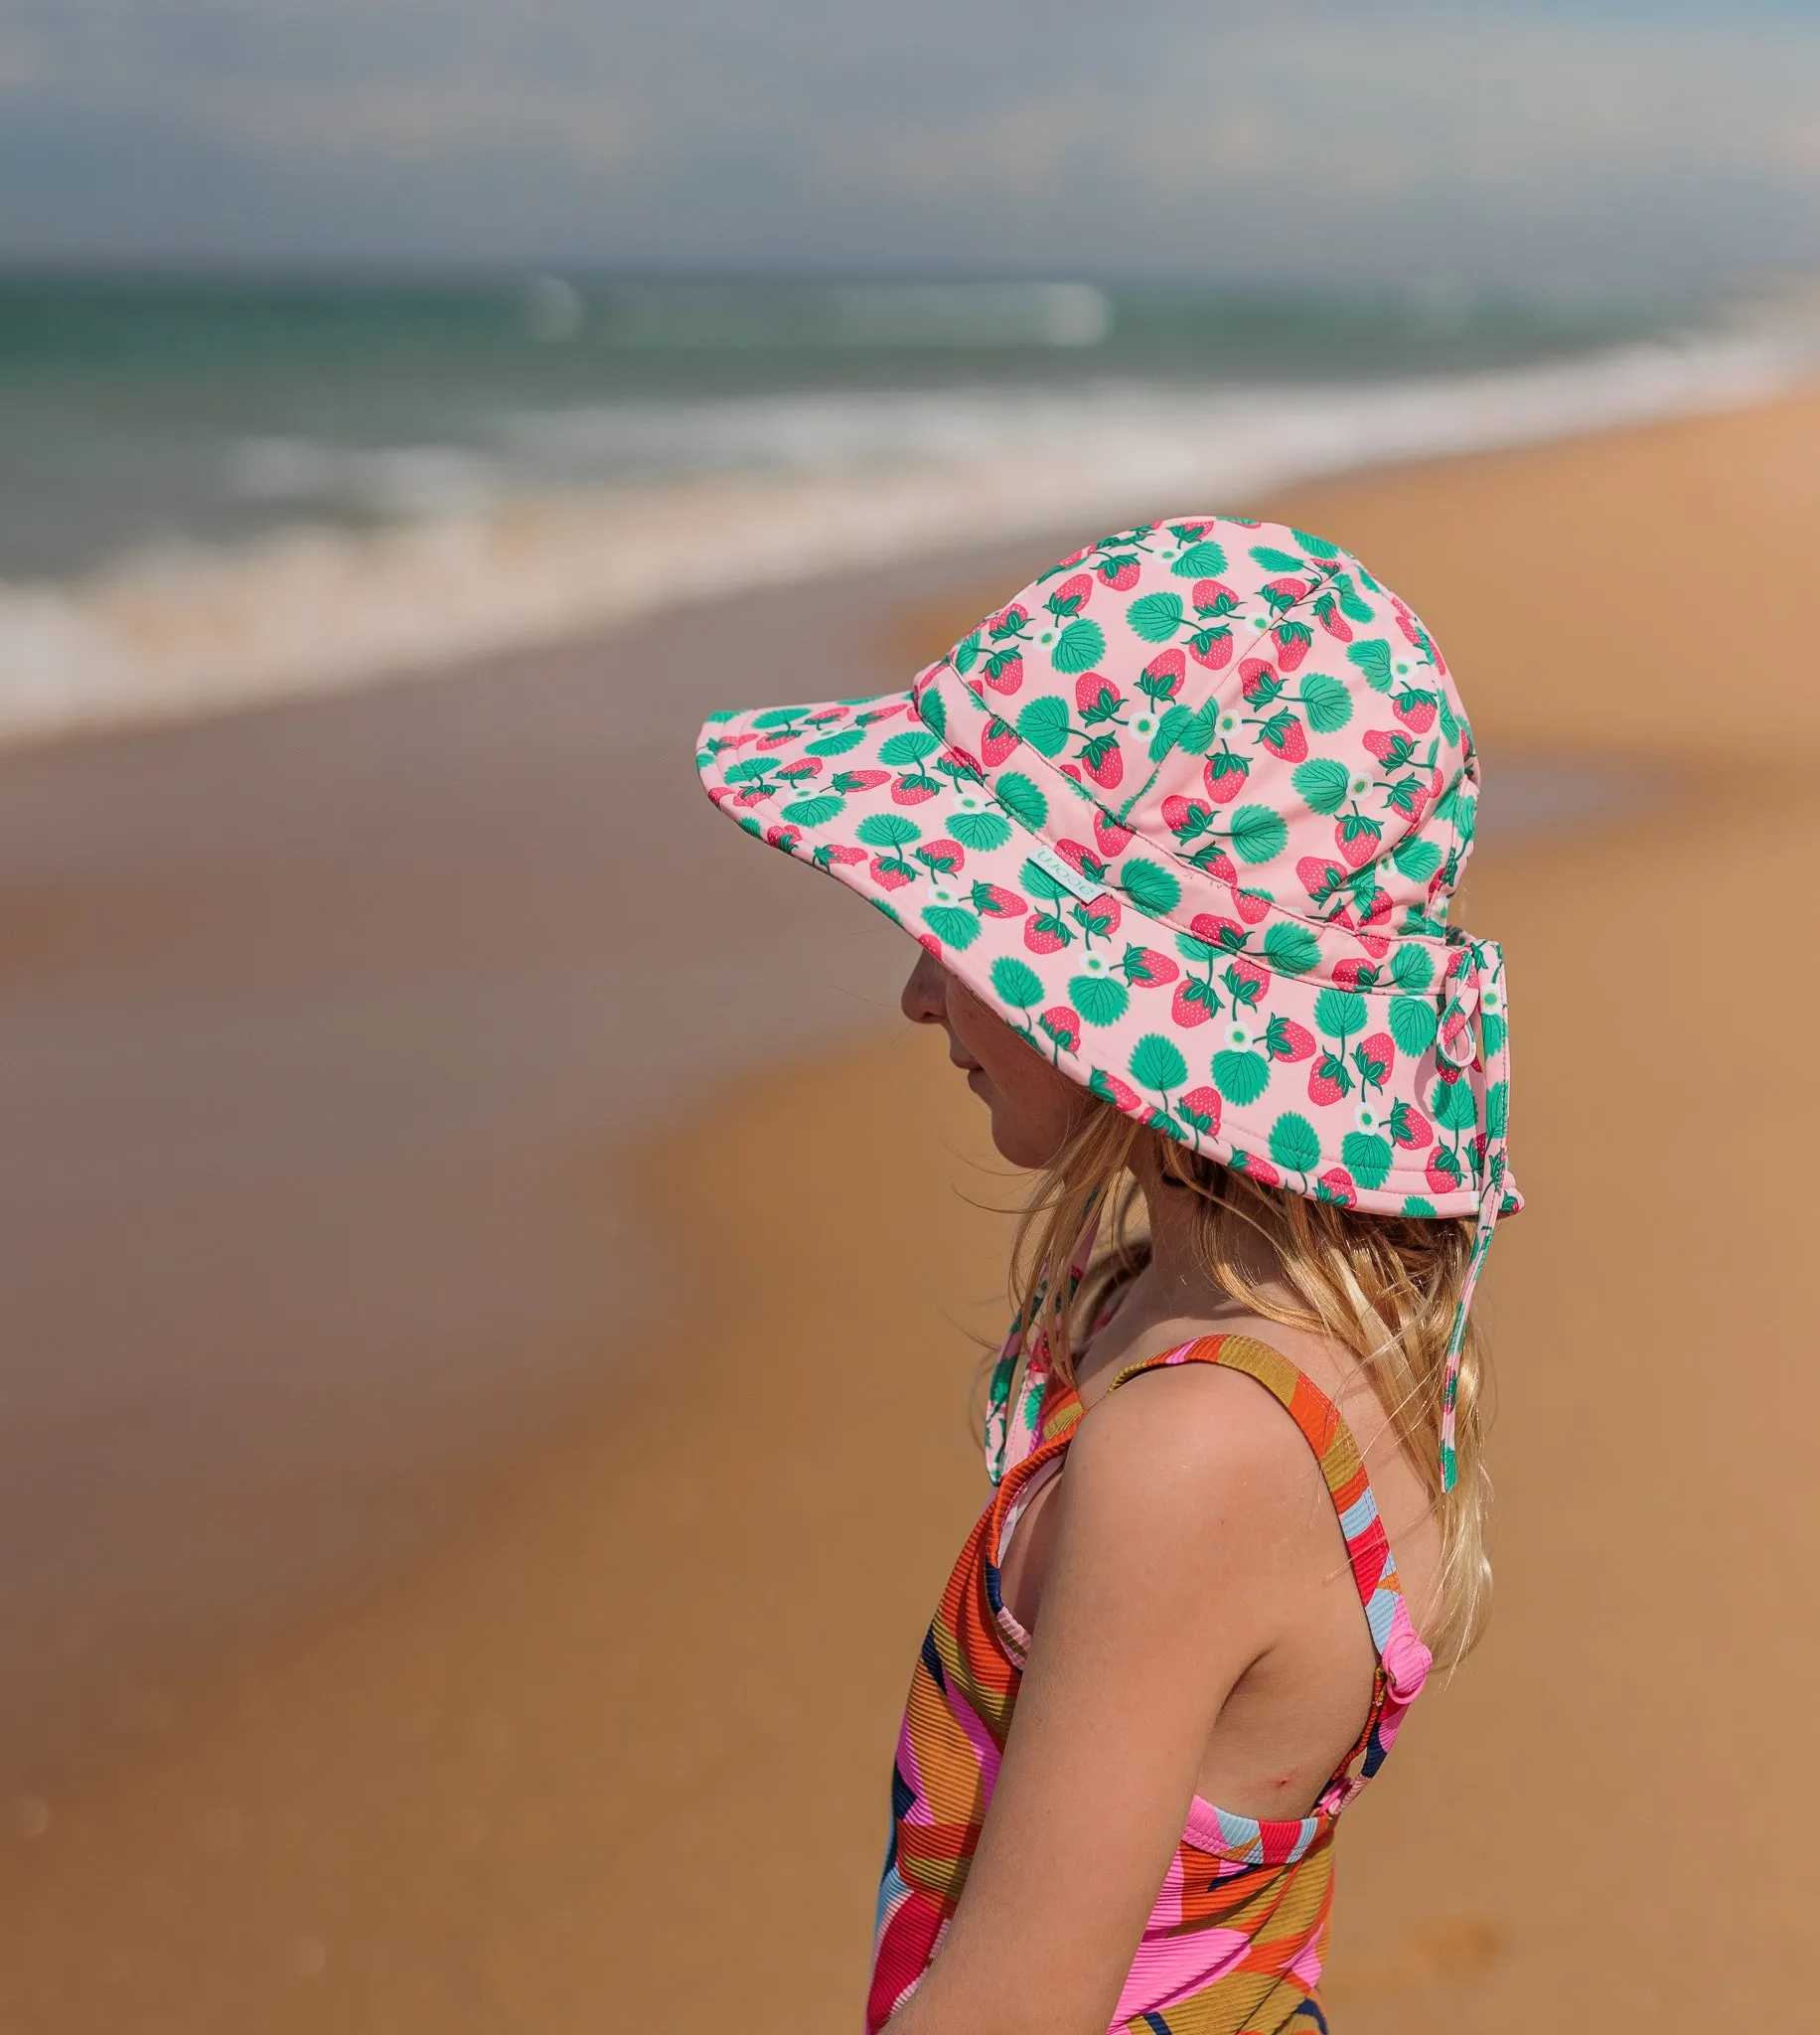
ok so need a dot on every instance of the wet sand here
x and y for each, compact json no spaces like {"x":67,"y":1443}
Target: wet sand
{"x":601,"y":1737}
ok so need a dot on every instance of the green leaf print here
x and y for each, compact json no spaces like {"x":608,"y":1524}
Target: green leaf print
{"x":966,"y":653}
{"x":1157,"y":1064}
{"x":1497,"y":1110}
{"x":1414,"y":1022}
{"x":1492,"y":1031}
{"x":1328,"y":704}
{"x":909,"y":747}
{"x":1411,"y":968}
{"x":979,"y":830}
{"x":1258,"y":833}
{"x":1453,"y":1105}
{"x":1241,"y":1077}
{"x":1017,"y":982}
{"x":1339,"y":1012}
{"x":1373,"y":658}
{"x":887,"y":829}
{"x":1149,"y":887}
{"x":950,"y":926}
{"x":933,"y":711}
{"x":1021,"y":798}
{"x":1367,"y":1156}
{"x":1156,"y":617}
{"x":1418,"y":1204}
{"x":1196,"y":952}
{"x":1294,"y":1144}
{"x":1273,"y":560}
{"x":1098,"y":1000}
{"x":1351,"y":606}
{"x":1418,"y":859}
{"x":1044,"y":725}
{"x":815,"y":811}
{"x":1291,"y":950}
{"x":1315,"y":547}
{"x":1079,"y":647}
{"x":837,"y":746}
{"x":1042,"y":883}
{"x":1205,"y":560}
{"x":1449,"y":726}
{"x":1322,"y":783}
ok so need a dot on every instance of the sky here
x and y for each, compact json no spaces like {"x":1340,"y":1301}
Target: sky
{"x":1551,"y":143}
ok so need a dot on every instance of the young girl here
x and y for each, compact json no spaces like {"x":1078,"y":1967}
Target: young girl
{"x":1177,"y":829}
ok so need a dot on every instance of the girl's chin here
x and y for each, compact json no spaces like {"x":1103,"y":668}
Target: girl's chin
{"x":981,"y":1083}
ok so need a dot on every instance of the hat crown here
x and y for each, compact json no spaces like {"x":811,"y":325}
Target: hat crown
{"x":1243,"y":700}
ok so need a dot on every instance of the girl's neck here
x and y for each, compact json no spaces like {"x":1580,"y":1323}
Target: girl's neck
{"x":1178,"y":1284}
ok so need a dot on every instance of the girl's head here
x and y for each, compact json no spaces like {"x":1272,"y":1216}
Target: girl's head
{"x":1178,"y":829}
{"x":1384,"y":1286}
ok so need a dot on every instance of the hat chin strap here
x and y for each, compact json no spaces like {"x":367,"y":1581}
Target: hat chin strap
{"x":998,"y":1410}
{"x":1477,"y":968}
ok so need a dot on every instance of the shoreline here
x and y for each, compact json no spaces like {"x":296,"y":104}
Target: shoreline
{"x":479,"y":1790}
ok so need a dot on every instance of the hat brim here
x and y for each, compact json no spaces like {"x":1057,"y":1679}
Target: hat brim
{"x":1324,"y":1084}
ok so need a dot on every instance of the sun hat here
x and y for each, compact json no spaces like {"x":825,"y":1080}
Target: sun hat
{"x":1189,"y":812}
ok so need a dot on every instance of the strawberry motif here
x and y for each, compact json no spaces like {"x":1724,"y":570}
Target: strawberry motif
{"x":1111,"y":1089}
{"x":891,"y":876}
{"x":1293,"y":640}
{"x":1335,"y":1184}
{"x":1082,"y":861}
{"x":1213,"y":597}
{"x":1414,"y":709}
{"x":1250,"y":905}
{"x":1281,"y":595}
{"x":785,"y":838}
{"x":1008,"y":621}
{"x":1211,"y":647}
{"x":1071,"y":596}
{"x":1120,"y":574}
{"x":1444,"y":1171}
{"x":1161,"y":678}
{"x":999,"y":739}
{"x":931,"y":943}
{"x":1247,"y":981}
{"x":1354,"y":973}
{"x":1285,"y":737}
{"x":1005,"y":670}
{"x":1105,"y":762}
{"x":1097,"y":697}
{"x":1146,"y":969}
{"x":1109,"y":838}
{"x":1099,"y":917}
{"x":1358,"y":836}
{"x":798,"y":772}
{"x":1226,"y":934}
{"x":1328,"y":1080}
{"x":859,"y":780}
{"x":1185,"y":817}
{"x":1375,"y":1056}
{"x":1321,"y":876}
{"x":913,"y":788}
{"x":1224,"y":775}
{"x":1193,"y":1004}
{"x":1286,"y":1040}
{"x":1258,"y":681}
{"x":1327,"y":614}
{"x":1408,"y":1127}
{"x":944,"y":856}
{"x":994,"y":900}
{"x":1390,"y":747}
{"x":834,"y":852}
{"x":1255,"y":1168}
{"x":1407,"y":622}
{"x":1200,"y":1107}
{"x":1064,"y":1026}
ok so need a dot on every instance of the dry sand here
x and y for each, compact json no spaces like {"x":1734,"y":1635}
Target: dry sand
{"x":613,"y":1753}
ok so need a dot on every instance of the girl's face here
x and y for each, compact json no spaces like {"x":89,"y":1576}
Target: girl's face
{"x":1036,"y":1107}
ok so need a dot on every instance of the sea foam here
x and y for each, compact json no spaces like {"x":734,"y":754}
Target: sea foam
{"x":713,"y":496}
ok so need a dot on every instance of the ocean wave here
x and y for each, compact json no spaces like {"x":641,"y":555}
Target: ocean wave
{"x":709,"y":497}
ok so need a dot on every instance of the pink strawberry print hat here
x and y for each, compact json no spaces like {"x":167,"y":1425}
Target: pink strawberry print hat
{"x":1189,"y":812}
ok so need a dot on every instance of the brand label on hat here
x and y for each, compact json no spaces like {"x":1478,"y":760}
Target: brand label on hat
{"x":1065,"y":873}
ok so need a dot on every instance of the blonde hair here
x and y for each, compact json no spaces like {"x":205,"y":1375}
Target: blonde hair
{"x":1384,"y":1286}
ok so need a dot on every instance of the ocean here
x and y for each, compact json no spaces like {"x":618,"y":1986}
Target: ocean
{"x":231,"y":489}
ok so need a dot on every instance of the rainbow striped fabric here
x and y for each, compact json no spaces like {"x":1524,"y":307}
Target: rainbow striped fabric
{"x":1236,"y":1938}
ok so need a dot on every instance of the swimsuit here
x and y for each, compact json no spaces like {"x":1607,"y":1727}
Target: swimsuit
{"x":1234,"y":1940}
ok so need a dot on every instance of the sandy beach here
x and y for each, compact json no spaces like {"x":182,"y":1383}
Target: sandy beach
{"x":530,"y":1657}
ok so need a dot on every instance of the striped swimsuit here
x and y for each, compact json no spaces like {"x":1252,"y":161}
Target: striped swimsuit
{"x":1234,"y":1940}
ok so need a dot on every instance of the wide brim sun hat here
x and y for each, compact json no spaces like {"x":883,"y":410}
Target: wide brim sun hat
{"x":1189,"y":812}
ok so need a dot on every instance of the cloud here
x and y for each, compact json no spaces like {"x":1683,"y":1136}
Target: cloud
{"x":1599,"y":137}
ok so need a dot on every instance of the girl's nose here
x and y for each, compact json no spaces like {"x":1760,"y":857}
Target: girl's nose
{"x":925,"y":997}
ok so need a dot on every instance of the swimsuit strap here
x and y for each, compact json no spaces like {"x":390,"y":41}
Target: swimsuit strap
{"x":1403,"y":1659}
